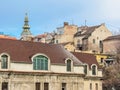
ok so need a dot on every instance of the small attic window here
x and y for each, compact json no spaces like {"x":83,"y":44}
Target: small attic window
{"x":4,"y":61}
{"x":94,"y":68}
{"x":69,"y":65}
{"x":85,"y":69}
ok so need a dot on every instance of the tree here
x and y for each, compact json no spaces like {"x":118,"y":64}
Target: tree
{"x":111,"y":74}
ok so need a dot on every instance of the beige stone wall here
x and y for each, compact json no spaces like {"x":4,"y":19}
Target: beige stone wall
{"x":99,"y":35}
{"x":27,"y":81}
{"x":64,"y":38}
{"x":93,"y":82}
{"x":70,"y":29}
{"x":69,"y":47}
{"x":68,"y":33}
{"x":76,"y":40}
{"x":111,"y":46}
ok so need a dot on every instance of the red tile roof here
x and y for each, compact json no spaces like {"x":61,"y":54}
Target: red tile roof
{"x":22,"y":51}
{"x":86,"y":31}
{"x":7,"y":37}
{"x":116,"y":37}
{"x":41,"y":36}
{"x":86,"y":58}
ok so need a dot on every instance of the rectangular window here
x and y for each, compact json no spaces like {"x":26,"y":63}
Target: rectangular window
{"x":93,"y":41}
{"x":96,"y":86}
{"x":46,"y":86}
{"x":90,"y":86}
{"x":63,"y":86}
{"x":37,"y":86}
{"x":56,"y":41}
{"x":5,"y":86}
{"x":4,"y":62}
{"x":69,"y":65}
{"x":101,"y":60}
{"x":85,"y":69}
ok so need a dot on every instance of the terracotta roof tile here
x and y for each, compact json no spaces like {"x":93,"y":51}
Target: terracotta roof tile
{"x":7,"y":37}
{"x":86,"y":31}
{"x":116,"y":37}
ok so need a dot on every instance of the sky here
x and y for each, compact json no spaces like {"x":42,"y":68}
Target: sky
{"x":47,"y":15}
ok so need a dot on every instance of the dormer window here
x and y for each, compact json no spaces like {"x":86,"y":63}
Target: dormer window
{"x":94,"y":68}
{"x":40,"y":62}
{"x":4,"y":61}
{"x":69,"y":65}
{"x":85,"y":69}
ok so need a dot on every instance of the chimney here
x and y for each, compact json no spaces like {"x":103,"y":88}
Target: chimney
{"x":66,"y":23}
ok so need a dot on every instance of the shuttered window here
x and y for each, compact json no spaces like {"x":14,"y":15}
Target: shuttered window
{"x":40,"y":63}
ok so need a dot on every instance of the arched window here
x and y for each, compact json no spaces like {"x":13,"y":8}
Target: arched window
{"x":40,"y":62}
{"x":69,"y":65}
{"x":93,"y":70}
{"x":4,"y":61}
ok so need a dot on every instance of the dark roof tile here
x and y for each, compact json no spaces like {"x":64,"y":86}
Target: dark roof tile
{"x":22,"y":51}
{"x":86,"y":58}
{"x":116,"y":37}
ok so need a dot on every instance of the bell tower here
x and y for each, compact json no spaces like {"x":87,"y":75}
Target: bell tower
{"x":26,"y":35}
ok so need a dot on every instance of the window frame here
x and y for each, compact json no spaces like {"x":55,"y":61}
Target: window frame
{"x":94,"y":41}
{"x":94,"y":70}
{"x":90,"y":86}
{"x":86,"y":68}
{"x":5,"y":86}
{"x":7,"y":66}
{"x":71,"y":65}
{"x":63,"y":86}
{"x":48,"y":62}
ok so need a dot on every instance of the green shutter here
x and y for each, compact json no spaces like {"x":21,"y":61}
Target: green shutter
{"x":40,"y":63}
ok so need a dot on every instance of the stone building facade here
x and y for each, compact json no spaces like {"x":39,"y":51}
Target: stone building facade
{"x":28,"y":65}
{"x":91,"y":38}
{"x":111,"y":45}
{"x":65,"y":34}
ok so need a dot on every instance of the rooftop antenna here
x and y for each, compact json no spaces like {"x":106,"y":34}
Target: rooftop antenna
{"x":85,"y":22}
{"x":72,"y":22}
